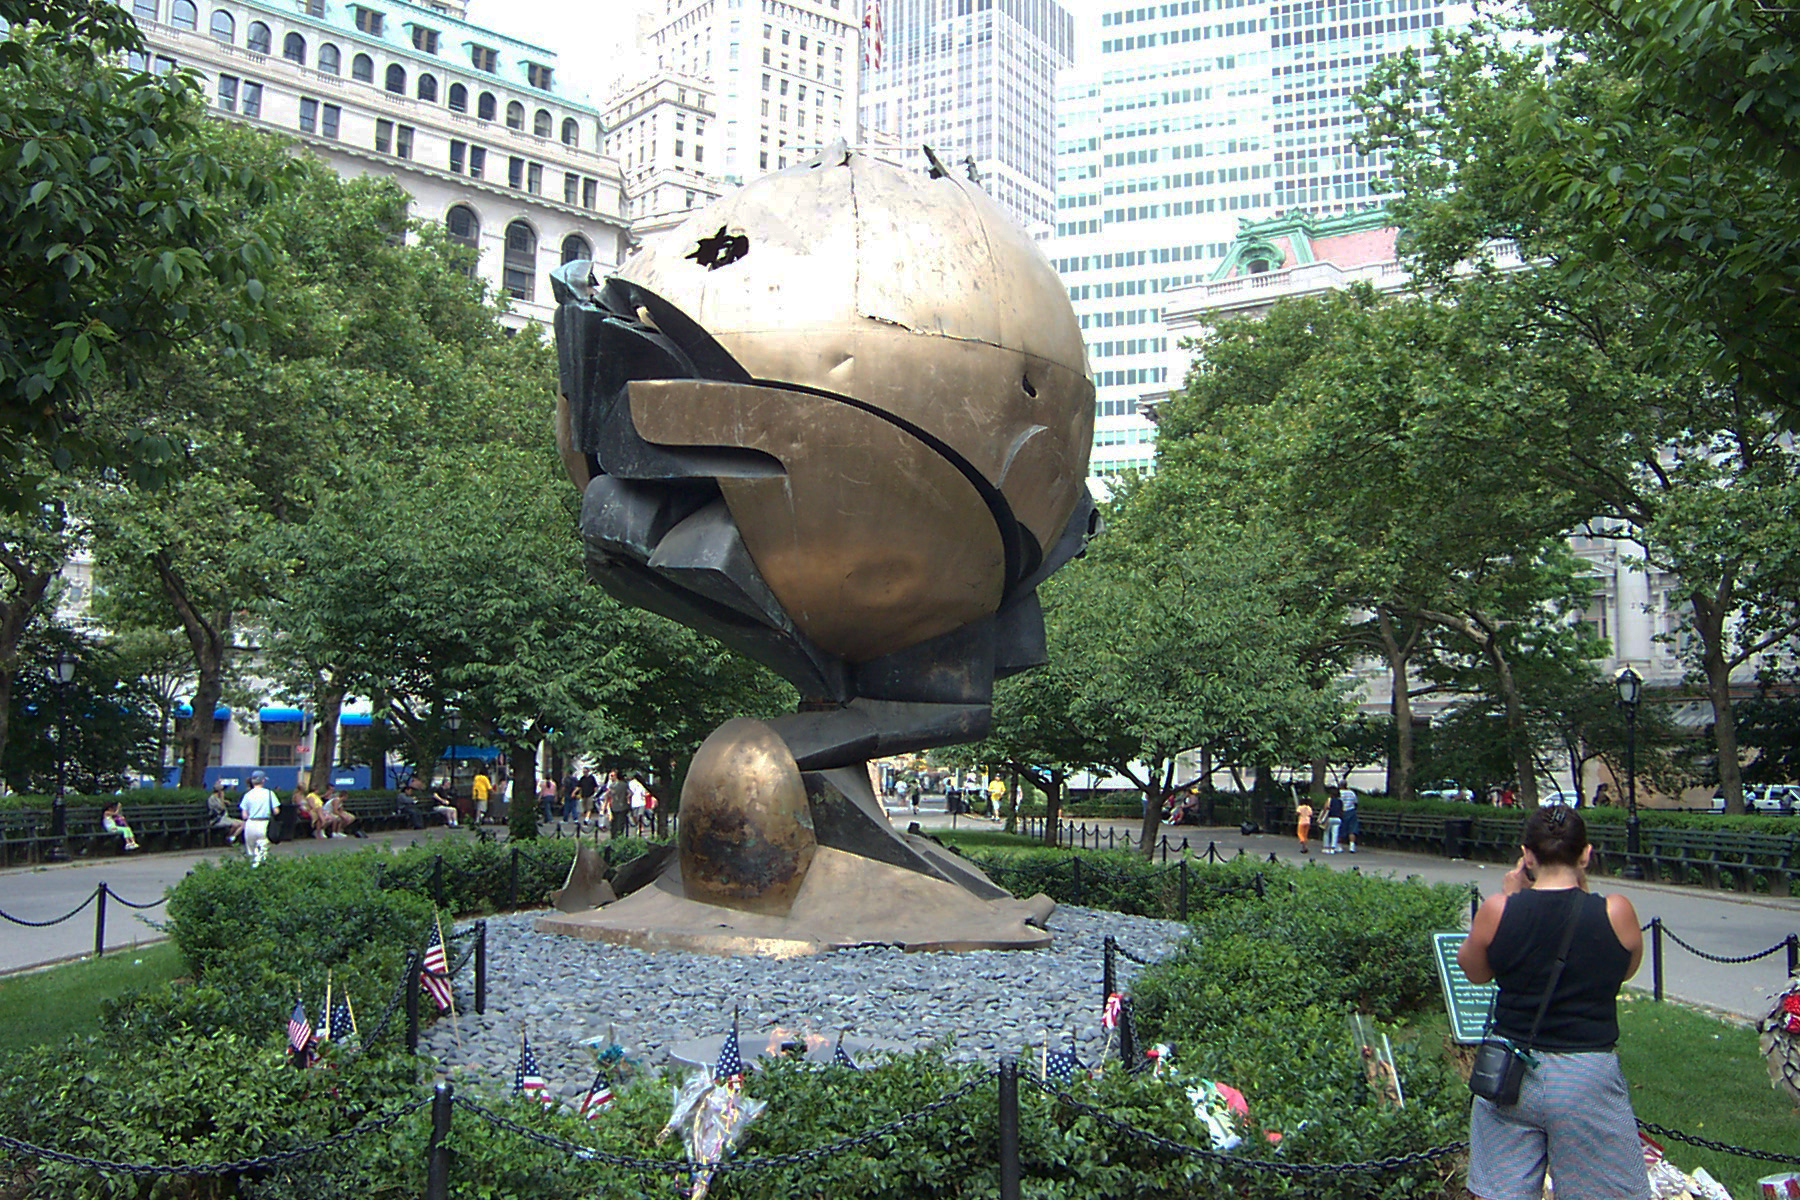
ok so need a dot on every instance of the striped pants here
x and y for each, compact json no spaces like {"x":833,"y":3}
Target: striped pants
{"x":1573,"y":1119}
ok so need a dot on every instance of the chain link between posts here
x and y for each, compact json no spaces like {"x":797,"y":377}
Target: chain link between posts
{"x":1718,"y":958}
{"x":72,"y":913}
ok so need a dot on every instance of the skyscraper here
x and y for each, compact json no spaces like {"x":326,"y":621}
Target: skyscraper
{"x":974,"y":80}
{"x":1193,"y":116}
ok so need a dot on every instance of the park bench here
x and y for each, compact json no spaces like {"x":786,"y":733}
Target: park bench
{"x":1720,"y":855}
{"x":172,"y":826}
{"x":23,"y":834}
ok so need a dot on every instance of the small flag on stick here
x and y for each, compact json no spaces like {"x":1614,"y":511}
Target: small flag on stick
{"x":599,"y":1096}
{"x":300,"y":1035}
{"x":731,"y":1060}
{"x":840,"y":1056}
{"x":1060,"y":1067}
{"x":527,"y":1081}
{"x":434,"y":970}
{"x":322,"y":1031}
{"x":343,"y":1020}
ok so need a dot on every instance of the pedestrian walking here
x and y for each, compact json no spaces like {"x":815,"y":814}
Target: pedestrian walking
{"x":1303,"y":814}
{"x":1334,"y":818}
{"x":1352,"y":823}
{"x":480,"y":788}
{"x":258,"y":807}
{"x":618,"y":804}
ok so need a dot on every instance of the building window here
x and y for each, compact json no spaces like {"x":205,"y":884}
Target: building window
{"x":484,"y":59}
{"x":571,"y":187}
{"x":459,"y":98}
{"x":463,"y":226}
{"x":571,"y":132}
{"x":515,"y":116}
{"x":403,"y":141}
{"x":485,"y":106}
{"x":224,"y":27}
{"x":138,"y":61}
{"x":330,"y":60}
{"x":428,"y":88}
{"x":328,"y":120}
{"x":538,"y":76}
{"x":252,"y":105}
{"x":259,"y":38}
{"x":293,"y":48}
{"x":534,"y":179}
{"x":228,"y":92}
{"x":384,"y":137}
{"x":541,"y":123}
{"x":315,"y":8}
{"x":678,"y":147}
{"x":425,"y":39}
{"x":362,"y":69}
{"x":575,"y":248}
{"x":459,"y":155}
{"x":396,"y":79}
{"x":280,"y":744}
{"x":515,"y":172}
{"x":183,"y":14}
{"x":699,"y":153}
{"x":163,"y":66}
{"x":590,"y":190}
{"x":477,"y":162}
{"x":144,"y":10}
{"x":368,"y":21}
{"x":519,"y":268}
{"x":309,"y":115}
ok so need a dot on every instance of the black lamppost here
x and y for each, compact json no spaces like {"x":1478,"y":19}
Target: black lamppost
{"x":1631,"y":688}
{"x":452,"y":722}
{"x":61,"y":673}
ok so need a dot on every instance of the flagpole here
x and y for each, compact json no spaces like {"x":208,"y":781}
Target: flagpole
{"x":328,"y":1004}
{"x":449,"y":992}
{"x":354,"y":1032}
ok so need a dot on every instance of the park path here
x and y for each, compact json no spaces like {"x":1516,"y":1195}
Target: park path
{"x":1718,"y":923}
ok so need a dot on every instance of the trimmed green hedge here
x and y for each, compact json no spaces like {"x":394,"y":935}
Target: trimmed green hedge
{"x":20,"y":800}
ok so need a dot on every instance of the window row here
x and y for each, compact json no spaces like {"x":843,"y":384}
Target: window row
{"x":518,"y":263}
{"x":522,"y":174}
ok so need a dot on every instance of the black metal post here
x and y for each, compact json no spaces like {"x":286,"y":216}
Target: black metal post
{"x":1184,"y":889}
{"x":1656,"y":957}
{"x":512,"y":881}
{"x":100,"y":920}
{"x":481,"y":966}
{"x":1128,"y":1035}
{"x":412,"y":1003}
{"x":437,"y":1168}
{"x":1260,"y":892}
{"x":1165,"y":847}
{"x":1474,"y":900}
{"x":1793,"y":949}
{"x":1634,"y":865}
{"x":1009,"y":1129}
{"x":58,"y":850}
{"x":1108,"y":977}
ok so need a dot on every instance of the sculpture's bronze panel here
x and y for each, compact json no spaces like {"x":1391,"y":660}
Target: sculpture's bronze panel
{"x":870,"y":540}
{"x":746,"y":834}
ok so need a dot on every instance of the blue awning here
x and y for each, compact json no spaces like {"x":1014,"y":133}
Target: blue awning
{"x":221,"y":713}
{"x":482,"y":752}
{"x":353,"y":719}
{"x":281,"y":714}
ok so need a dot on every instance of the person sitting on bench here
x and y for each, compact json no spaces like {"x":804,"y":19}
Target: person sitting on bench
{"x":113,"y":821}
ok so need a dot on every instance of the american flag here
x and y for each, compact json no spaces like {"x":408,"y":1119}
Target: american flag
{"x":322,"y":1031}
{"x":300,"y":1034}
{"x":1060,"y":1067}
{"x":731,"y":1060}
{"x":599,"y":1096}
{"x":841,"y":1057}
{"x":1110,"y":1018}
{"x":527,"y":1081}
{"x":434,"y":971}
{"x":343,"y":1021}
{"x":872,"y":35}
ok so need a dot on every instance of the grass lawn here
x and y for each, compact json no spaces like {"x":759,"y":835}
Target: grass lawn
{"x":48,"y":1005}
{"x":1705,"y":1077}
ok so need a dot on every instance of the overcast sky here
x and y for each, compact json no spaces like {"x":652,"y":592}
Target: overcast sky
{"x":591,"y":37}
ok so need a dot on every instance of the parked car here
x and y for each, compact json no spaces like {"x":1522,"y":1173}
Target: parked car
{"x":1572,"y":799}
{"x":1775,"y":799}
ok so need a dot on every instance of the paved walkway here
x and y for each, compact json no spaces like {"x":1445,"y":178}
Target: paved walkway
{"x":1724,"y":924}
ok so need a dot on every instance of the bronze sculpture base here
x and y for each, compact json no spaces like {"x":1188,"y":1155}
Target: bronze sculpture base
{"x":845,"y":900}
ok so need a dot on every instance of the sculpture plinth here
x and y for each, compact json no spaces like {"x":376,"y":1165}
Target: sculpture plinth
{"x":839,"y":420}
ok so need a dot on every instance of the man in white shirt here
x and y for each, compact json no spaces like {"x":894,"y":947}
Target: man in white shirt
{"x":1352,"y":824}
{"x":258,"y":808}
{"x":640,"y":802}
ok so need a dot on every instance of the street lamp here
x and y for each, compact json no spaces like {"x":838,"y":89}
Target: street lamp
{"x":452,"y":722}
{"x":1631,"y":688}
{"x":61,"y":673}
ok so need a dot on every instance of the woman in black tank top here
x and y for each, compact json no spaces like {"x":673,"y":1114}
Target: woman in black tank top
{"x":1573,"y":1116}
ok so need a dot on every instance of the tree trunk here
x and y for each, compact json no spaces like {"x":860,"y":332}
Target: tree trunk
{"x":329,"y":704}
{"x":15,"y":618}
{"x":1485,"y":635}
{"x":1709,"y":623}
{"x":1053,"y":805}
{"x":1156,"y":787}
{"x":1398,"y":653}
{"x":1316,"y":784}
{"x":209,"y":641}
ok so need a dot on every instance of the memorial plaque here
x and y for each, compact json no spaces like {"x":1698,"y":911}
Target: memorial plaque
{"x":1467,"y":1003}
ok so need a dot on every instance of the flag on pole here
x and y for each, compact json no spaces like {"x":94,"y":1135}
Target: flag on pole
{"x":1109,"y":1019}
{"x":526,"y":1080}
{"x":872,"y":35}
{"x":841,"y":1057}
{"x":343,"y":1021}
{"x":300,"y":1034}
{"x":322,"y":1031}
{"x":434,"y":970}
{"x":599,"y":1096}
{"x":1061,"y":1066}
{"x":731,"y":1059}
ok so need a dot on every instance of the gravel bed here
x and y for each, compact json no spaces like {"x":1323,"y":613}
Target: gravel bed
{"x":985,"y":1004}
